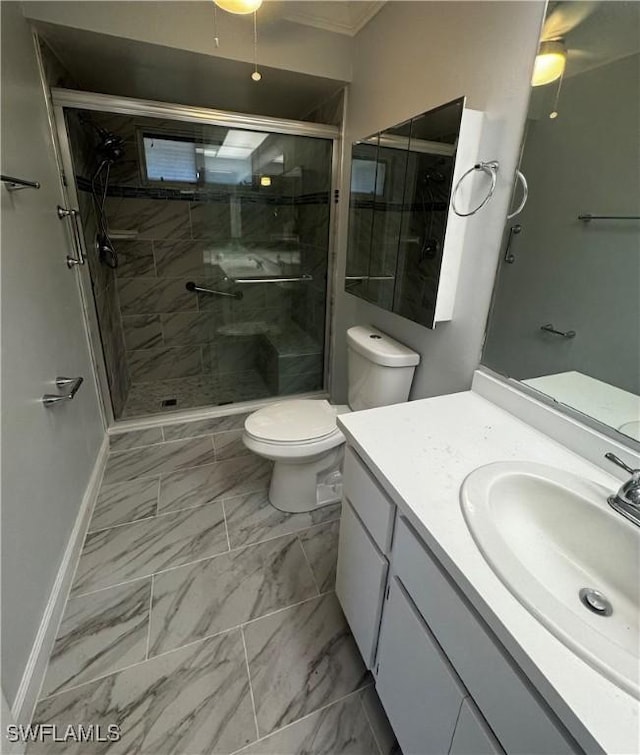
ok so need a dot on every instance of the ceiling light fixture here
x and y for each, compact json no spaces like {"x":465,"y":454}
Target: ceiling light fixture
{"x":239,"y":7}
{"x":550,"y":62}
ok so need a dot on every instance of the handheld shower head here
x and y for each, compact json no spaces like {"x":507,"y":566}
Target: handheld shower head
{"x":111,"y":147}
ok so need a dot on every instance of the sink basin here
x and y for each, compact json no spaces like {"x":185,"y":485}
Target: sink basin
{"x":548,"y":535}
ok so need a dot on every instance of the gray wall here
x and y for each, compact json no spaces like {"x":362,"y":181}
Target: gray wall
{"x":412,"y":57}
{"x":47,"y":456}
{"x":581,"y":277}
{"x":189,"y":26}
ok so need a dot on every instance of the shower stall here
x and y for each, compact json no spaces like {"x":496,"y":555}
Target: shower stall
{"x":206,"y":237}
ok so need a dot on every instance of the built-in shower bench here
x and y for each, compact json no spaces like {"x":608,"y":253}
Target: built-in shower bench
{"x":290,"y":360}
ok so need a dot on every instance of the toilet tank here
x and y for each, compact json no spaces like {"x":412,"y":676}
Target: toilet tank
{"x":380,"y":369}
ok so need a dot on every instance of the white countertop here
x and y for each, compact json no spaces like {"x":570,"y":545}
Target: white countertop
{"x":421,"y":452}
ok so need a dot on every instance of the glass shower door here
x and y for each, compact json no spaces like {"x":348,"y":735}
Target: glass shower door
{"x":210,"y":270}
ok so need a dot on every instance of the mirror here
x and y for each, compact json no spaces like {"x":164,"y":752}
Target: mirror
{"x":401,"y":182}
{"x":565,"y":318}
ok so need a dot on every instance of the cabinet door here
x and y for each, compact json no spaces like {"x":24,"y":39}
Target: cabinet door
{"x":419,"y":690}
{"x":472,"y":735}
{"x":360,"y":582}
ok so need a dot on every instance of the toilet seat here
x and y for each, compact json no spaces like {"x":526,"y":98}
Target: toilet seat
{"x":294,"y":429}
{"x":294,"y":421}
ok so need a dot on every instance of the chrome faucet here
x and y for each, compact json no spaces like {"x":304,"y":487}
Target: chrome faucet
{"x":627,"y":500}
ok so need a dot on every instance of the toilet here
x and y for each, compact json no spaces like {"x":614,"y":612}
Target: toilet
{"x":301,"y":436}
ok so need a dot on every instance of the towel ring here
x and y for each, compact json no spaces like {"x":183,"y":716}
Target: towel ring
{"x":491,"y":169}
{"x":525,"y":194}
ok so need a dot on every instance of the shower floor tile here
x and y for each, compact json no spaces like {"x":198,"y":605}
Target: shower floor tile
{"x":196,"y":628}
{"x":189,"y":393}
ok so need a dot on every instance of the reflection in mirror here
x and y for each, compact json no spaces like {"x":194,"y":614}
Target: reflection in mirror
{"x":400,"y":191}
{"x":367,"y":183}
{"x":566,"y":312}
{"x":430,"y":164}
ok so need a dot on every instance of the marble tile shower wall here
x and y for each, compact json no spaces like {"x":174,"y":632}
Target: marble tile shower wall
{"x":169,"y":334}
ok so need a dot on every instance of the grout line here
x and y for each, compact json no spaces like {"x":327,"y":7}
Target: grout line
{"x":134,"y":665}
{"x":204,"y":558}
{"x":146,"y":655}
{"x":226,"y":528}
{"x":306,"y":558}
{"x":123,"y":524}
{"x":253,"y":700}
{"x":371,"y":727}
{"x":298,"y":720}
{"x":158,"y":497}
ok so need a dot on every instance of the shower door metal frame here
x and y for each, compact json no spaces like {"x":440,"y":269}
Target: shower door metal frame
{"x":69,"y":98}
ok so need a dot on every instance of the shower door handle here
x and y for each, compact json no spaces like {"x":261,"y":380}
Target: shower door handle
{"x":72,"y":214}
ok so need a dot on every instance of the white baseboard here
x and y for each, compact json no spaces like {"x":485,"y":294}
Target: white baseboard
{"x":31,"y":683}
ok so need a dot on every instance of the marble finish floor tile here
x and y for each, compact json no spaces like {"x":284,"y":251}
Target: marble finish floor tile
{"x":223,"y":592}
{"x":321,"y":548}
{"x":339,"y":729}
{"x":229,"y":444}
{"x":193,"y":487}
{"x":301,"y":659}
{"x":153,"y":460}
{"x":251,"y":518}
{"x":193,"y":701}
{"x":131,"y":551}
{"x":182,"y":430}
{"x":99,"y":634}
{"x":124,"y":502}
{"x":135,"y":439}
{"x":379,"y":723}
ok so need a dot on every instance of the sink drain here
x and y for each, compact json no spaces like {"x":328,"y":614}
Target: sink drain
{"x":595,"y":601}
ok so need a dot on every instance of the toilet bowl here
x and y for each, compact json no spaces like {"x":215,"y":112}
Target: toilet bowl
{"x":301,"y":436}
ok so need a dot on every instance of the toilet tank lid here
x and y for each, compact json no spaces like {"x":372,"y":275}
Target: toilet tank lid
{"x":379,"y":348}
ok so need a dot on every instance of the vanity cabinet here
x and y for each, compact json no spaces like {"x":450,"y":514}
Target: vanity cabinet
{"x":366,"y":530}
{"x":421,"y":692}
{"x":472,"y":735}
{"x":444,"y":679}
{"x":361,"y":577}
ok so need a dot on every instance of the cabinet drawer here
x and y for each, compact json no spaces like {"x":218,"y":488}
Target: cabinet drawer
{"x":520,"y":718}
{"x":360,"y":582}
{"x":372,"y":505}
{"x":472,"y":735}
{"x":420,"y":692}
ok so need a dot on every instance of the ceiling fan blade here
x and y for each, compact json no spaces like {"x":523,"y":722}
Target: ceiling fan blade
{"x":581,"y":55}
{"x":566,"y":16}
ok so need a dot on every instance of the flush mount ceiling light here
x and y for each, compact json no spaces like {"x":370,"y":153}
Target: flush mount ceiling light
{"x":240,"y":7}
{"x":550,"y":62}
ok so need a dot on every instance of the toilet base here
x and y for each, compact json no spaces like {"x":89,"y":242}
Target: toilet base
{"x":301,"y":485}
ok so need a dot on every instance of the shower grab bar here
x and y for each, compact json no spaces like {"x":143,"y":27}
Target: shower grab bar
{"x":369,"y":277}
{"x":71,"y":385}
{"x":77,"y":236}
{"x":548,"y":328}
{"x":15,"y":184}
{"x":587,"y":217}
{"x":191,"y":286}
{"x":273,"y":279}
